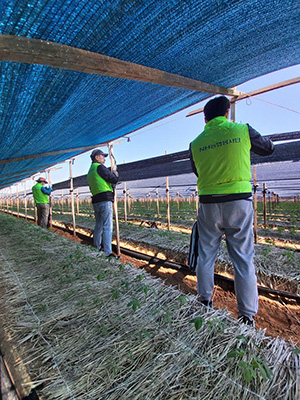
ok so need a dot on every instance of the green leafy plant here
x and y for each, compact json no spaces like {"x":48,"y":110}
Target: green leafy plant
{"x":198,"y":321}
{"x":248,"y":363}
{"x":115,"y":293}
{"x":134,"y":303}
{"x":182,"y":299}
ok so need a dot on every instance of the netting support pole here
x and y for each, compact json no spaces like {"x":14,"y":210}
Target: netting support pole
{"x":265,"y":204}
{"x":50,"y":201}
{"x":35,"y":209}
{"x":72,"y":197}
{"x":62,"y":200}
{"x":125,"y":201}
{"x":77,"y":202}
{"x":168,"y":199}
{"x":115,"y":203}
{"x":18,"y":203}
{"x":10,"y":197}
{"x":7,"y":196}
{"x":25,"y":201}
{"x":157,"y":202}
{"x":168,"y":202}
{"x":255,"y":186}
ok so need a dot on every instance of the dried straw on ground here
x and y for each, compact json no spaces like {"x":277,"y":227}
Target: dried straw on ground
{"x":93,"y":329}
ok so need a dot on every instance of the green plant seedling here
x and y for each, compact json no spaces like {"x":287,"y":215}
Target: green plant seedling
{"x":296,"y":351}
{"x":134,"y":303}
{"x":101,"y":276}
{"x":126,"y":284}
{"x":216,"y":324}
{"x":236,"y":353}
{"x":198,"y":321}
{"x":248,"y":370}
{"x":182,"y":299}
{"x":42,"y":307}
{"x":140,"y":277}
{"x":144,"y":288}
{"x":115,"y":294}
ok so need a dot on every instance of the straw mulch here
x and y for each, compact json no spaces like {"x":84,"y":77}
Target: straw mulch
{"x":275,"y":267}
{"x":89,"y":328}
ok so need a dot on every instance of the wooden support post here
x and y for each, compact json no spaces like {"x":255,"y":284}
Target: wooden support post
{"x":10,"y":197}
{"x":232,"y":112}
{"x":115,"y":203}
{"x":7,"y":196}
{"x":177,"y":200}
{"x":168,"y":202}
{"x":35,"y":208}
{"x":18,"y":202}
{"x":50,"y":201}
{"x":157,"y":202}
{"x":168,"y":199}
{"x":125,"y":202}
{"x":72,"y":197}
{"x":62,"y":200}
{"x":255,"y":186}
{"x":77,"y":202}
{"x":129,"y":201}
{"x":265,"y":204}
{"x":25,"y":201}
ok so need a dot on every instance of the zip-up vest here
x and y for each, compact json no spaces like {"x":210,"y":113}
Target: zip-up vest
{"x":38,"y":195}
{"x":221,"y":155}
{"x":96,"y":183}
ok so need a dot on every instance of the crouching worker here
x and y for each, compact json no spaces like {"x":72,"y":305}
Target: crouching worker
{"x":220,"y":157}
{"x":41,"y":191}
{"x":101,"y":181}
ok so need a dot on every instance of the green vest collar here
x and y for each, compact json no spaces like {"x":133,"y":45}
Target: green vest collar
{"x":216,"y":121}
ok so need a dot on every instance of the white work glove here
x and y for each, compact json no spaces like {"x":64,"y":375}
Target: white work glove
{"x":114,"y":169}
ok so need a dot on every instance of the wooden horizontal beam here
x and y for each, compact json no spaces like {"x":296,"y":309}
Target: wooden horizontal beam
{"x":34,"y":51}
{"x":254,"y":93}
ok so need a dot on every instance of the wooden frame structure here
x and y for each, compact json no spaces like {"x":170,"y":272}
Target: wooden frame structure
{"x":244,"y":96}
{"x":35,"y":51}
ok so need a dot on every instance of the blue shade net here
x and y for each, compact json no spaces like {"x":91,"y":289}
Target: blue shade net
{"x":46,"y":109}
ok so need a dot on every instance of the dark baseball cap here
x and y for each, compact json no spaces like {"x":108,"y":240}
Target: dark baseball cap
{"x":41,"y":179}
{"x":97,"y":152}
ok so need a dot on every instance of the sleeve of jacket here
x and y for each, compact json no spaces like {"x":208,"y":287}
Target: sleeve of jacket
{"x":192,"y":161}
{"x":259,"y":144}
{"x":46,"y":190}
{"x":107,"y":175}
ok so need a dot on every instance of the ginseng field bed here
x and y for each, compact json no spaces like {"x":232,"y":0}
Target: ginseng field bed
{"x":276,"y":267}
{"x":88,"y":328}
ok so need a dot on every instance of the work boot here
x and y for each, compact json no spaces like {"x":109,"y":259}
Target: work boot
{"x":112,"y":256}
{"x":243,"y":319}
{"x":208,"y":303}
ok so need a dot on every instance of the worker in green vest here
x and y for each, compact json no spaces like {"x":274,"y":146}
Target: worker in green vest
{"x":101,"y":181}
{"x":220,"y":157}
{"x":41,"y":191}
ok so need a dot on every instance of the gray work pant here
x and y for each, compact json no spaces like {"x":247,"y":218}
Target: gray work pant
{"x":43,"y":211}
{"x":235,"y":219}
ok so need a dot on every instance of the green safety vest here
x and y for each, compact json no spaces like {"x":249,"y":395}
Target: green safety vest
{"x":96,"y":183}
{"x":221,"y":155}
{"x":38,"y":195}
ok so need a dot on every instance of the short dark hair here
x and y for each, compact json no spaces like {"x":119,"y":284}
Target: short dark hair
{"x":216,"y":107}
